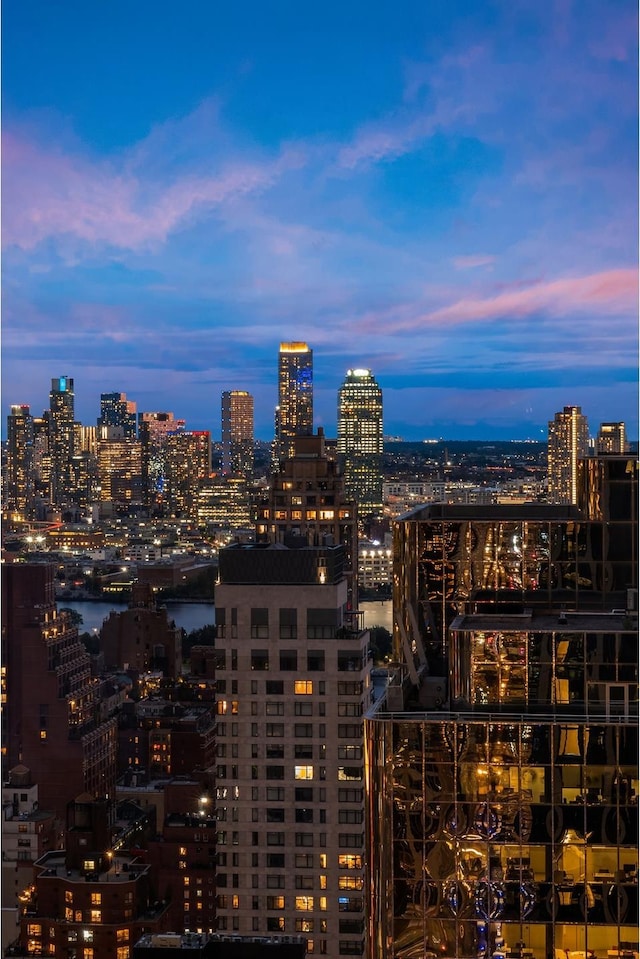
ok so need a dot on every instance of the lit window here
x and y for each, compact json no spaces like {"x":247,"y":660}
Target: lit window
{"x":303,"y":687}
{"x":304,"y":772}
{"x":235,"y":902}
{"x":43,"y":734}
{"x":96,"y":915}
{"x":323,"y":903}
{"x":122,"y":935}
{"x":122,"y":952}
{"x":348,"y":861}
{"x":182,"y":850}
{"x":96,"y":899}
{"x":304,"y":903}
{"x":87,"y":935}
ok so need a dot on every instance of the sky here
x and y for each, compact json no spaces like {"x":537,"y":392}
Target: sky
{"x":443,"y":192}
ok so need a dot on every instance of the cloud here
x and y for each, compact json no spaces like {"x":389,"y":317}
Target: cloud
{"x":49,"y":193}
{"x":611,"y":292}
{"x":471,"y":262}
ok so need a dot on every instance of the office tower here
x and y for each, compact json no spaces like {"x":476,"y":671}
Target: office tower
{"x":223,"y":502}
{"x":117,"y":410}
{"x":502,"y":758}
{"x":612,"y":438}
{"x":187,"y":464}
{"x":307,"y":503}
{"x":153,"y":429}
{"x":237,"y":433}
{"x":119,"y":469}
{"x":20,"y":491}
{"x":292,"y":680}
{"x":51,"y":718}
{"x":295,"y":397}
{"x":61,"y":438}
{"x":360,"y":445}
{"x":568,"y":442}
{"x":41,"y":458}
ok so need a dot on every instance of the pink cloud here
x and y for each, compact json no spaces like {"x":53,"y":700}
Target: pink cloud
{"x":611,"y":292}
{"x":49,"y":193}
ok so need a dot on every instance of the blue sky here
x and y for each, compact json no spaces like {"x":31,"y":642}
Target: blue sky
{"x":443,"y":192}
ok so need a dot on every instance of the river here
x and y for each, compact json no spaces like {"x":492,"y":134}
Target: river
{"x":192,"y":616}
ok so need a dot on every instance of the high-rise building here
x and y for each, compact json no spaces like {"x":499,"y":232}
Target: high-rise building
{"x":237,"y":433}
{"x":307,"y":503}
{"x":295,"y":397}
{"x":292,"y":682}
{"x":502,"y":757}
{"x":119,"y":468}
{"x":61,"y":438}
{"x":117,"y":410}
{"x":360,"y":439}
{"x":52,"y":716}
{"x":612,"y":438}
{"x":187,"y":464}
{"x":568,"y":442}
{"x":153,"y":429}
{"x":19,"y":486}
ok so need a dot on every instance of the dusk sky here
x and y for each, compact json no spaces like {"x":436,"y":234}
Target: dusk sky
{"x":444,"y":192}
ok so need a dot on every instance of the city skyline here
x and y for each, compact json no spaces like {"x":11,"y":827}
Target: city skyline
{"x":445,"y":197}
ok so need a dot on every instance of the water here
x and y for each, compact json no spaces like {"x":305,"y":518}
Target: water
{"x":196,"y":615}
{"x":189,"y":616}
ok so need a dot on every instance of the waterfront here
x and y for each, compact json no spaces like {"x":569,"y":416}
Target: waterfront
{"x":192,"y":616}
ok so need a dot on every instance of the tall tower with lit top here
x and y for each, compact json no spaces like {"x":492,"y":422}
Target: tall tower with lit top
{"x":360,"y":439}
{"x":295,"y":397}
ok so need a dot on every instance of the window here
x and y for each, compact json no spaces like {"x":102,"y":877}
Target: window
{"x":304,"y":815}
{"x":304,"y":839}
{"x":303,"y":772}
{"x":304,"y":794}
{"x":350,"y":730}
{"x":275,"y":793}
{"x":259,"y":623}
{"x":275,"y":902}
{"x":274,"y":687}
{"x":304,"y":882}
{"x":95,"y":915}
{"x":349,"y":752}
{"x":275,"y":924}
{"x":350,"y":689}
{"x":274,"y":729}
{"x":349,"y":772}
{"x":350,"y":882}
{"x":349,"y":861}
{"x":274,"y":709}
{"x":288,"y":624}
{"x":350,"y":815}
{"x":275,"y":882}
{"x":322,"y":623}
{"x":303,"y":751}
{"x":277,"y":815}
{"x":275,"y":839}
{"x":304,"y":860}
{"x":122,"y":952}
{"x":275,"y":860}
{"x":304,"y":903}
{"x":350,"y":947}
{"x":259,"y":659}
{"x":350,"y":840}
{"x":303,"y":730}
{"x":349,"y":709}
{"x":288,"y":660}
{"x":68,"y":897}
{"x":304,"y":925}
{"x":303,"y":687}
{"x":349,"y":661}
{"x":349,"y":904}
{"x":96,"y":899}
{"x":315,"y":660}
{"x":350,"y":795}
{"x":303,"y":709}
{"x":274,"y":751}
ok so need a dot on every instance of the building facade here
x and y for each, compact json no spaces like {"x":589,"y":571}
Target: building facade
{"x":289,"y":781}
{"x":19,"y":480}
{"x":153,"y":429}
{"x":187,"y":465}
{"x":237,"y":433}
{"x":61,"y":437}
{"x":568,"y":442}
{"x":360,"y":439}
{"x":502,"y":759}
{"x":294,"y":415}
{"x":117,"y":411}
{"x":612,"y":438}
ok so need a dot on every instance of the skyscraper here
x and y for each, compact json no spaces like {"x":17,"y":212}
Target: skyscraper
{"x":237,"y":432}
{"x":612,"y":438}
{"x":292,"y":681}
{"x":360,"y":442}
{"x":153,"y":429}
{"x":187,"y":455}
{"x":295,"y":397}
{"x":502,"y":759}
{"x":568,"y":442}
{"x":61,"y":437}
{"x":117,"y":410}
{"x":20,"y":467}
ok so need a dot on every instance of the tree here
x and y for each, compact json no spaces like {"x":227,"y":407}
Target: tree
{"x":380,"y":641}
{"x":75,"y":618}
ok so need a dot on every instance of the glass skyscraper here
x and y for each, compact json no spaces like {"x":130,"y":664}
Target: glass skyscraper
{"x":237,"y":432}
{"x":360,"y":439}
{"x":295,"y":397}
{"x":568,"y":442}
